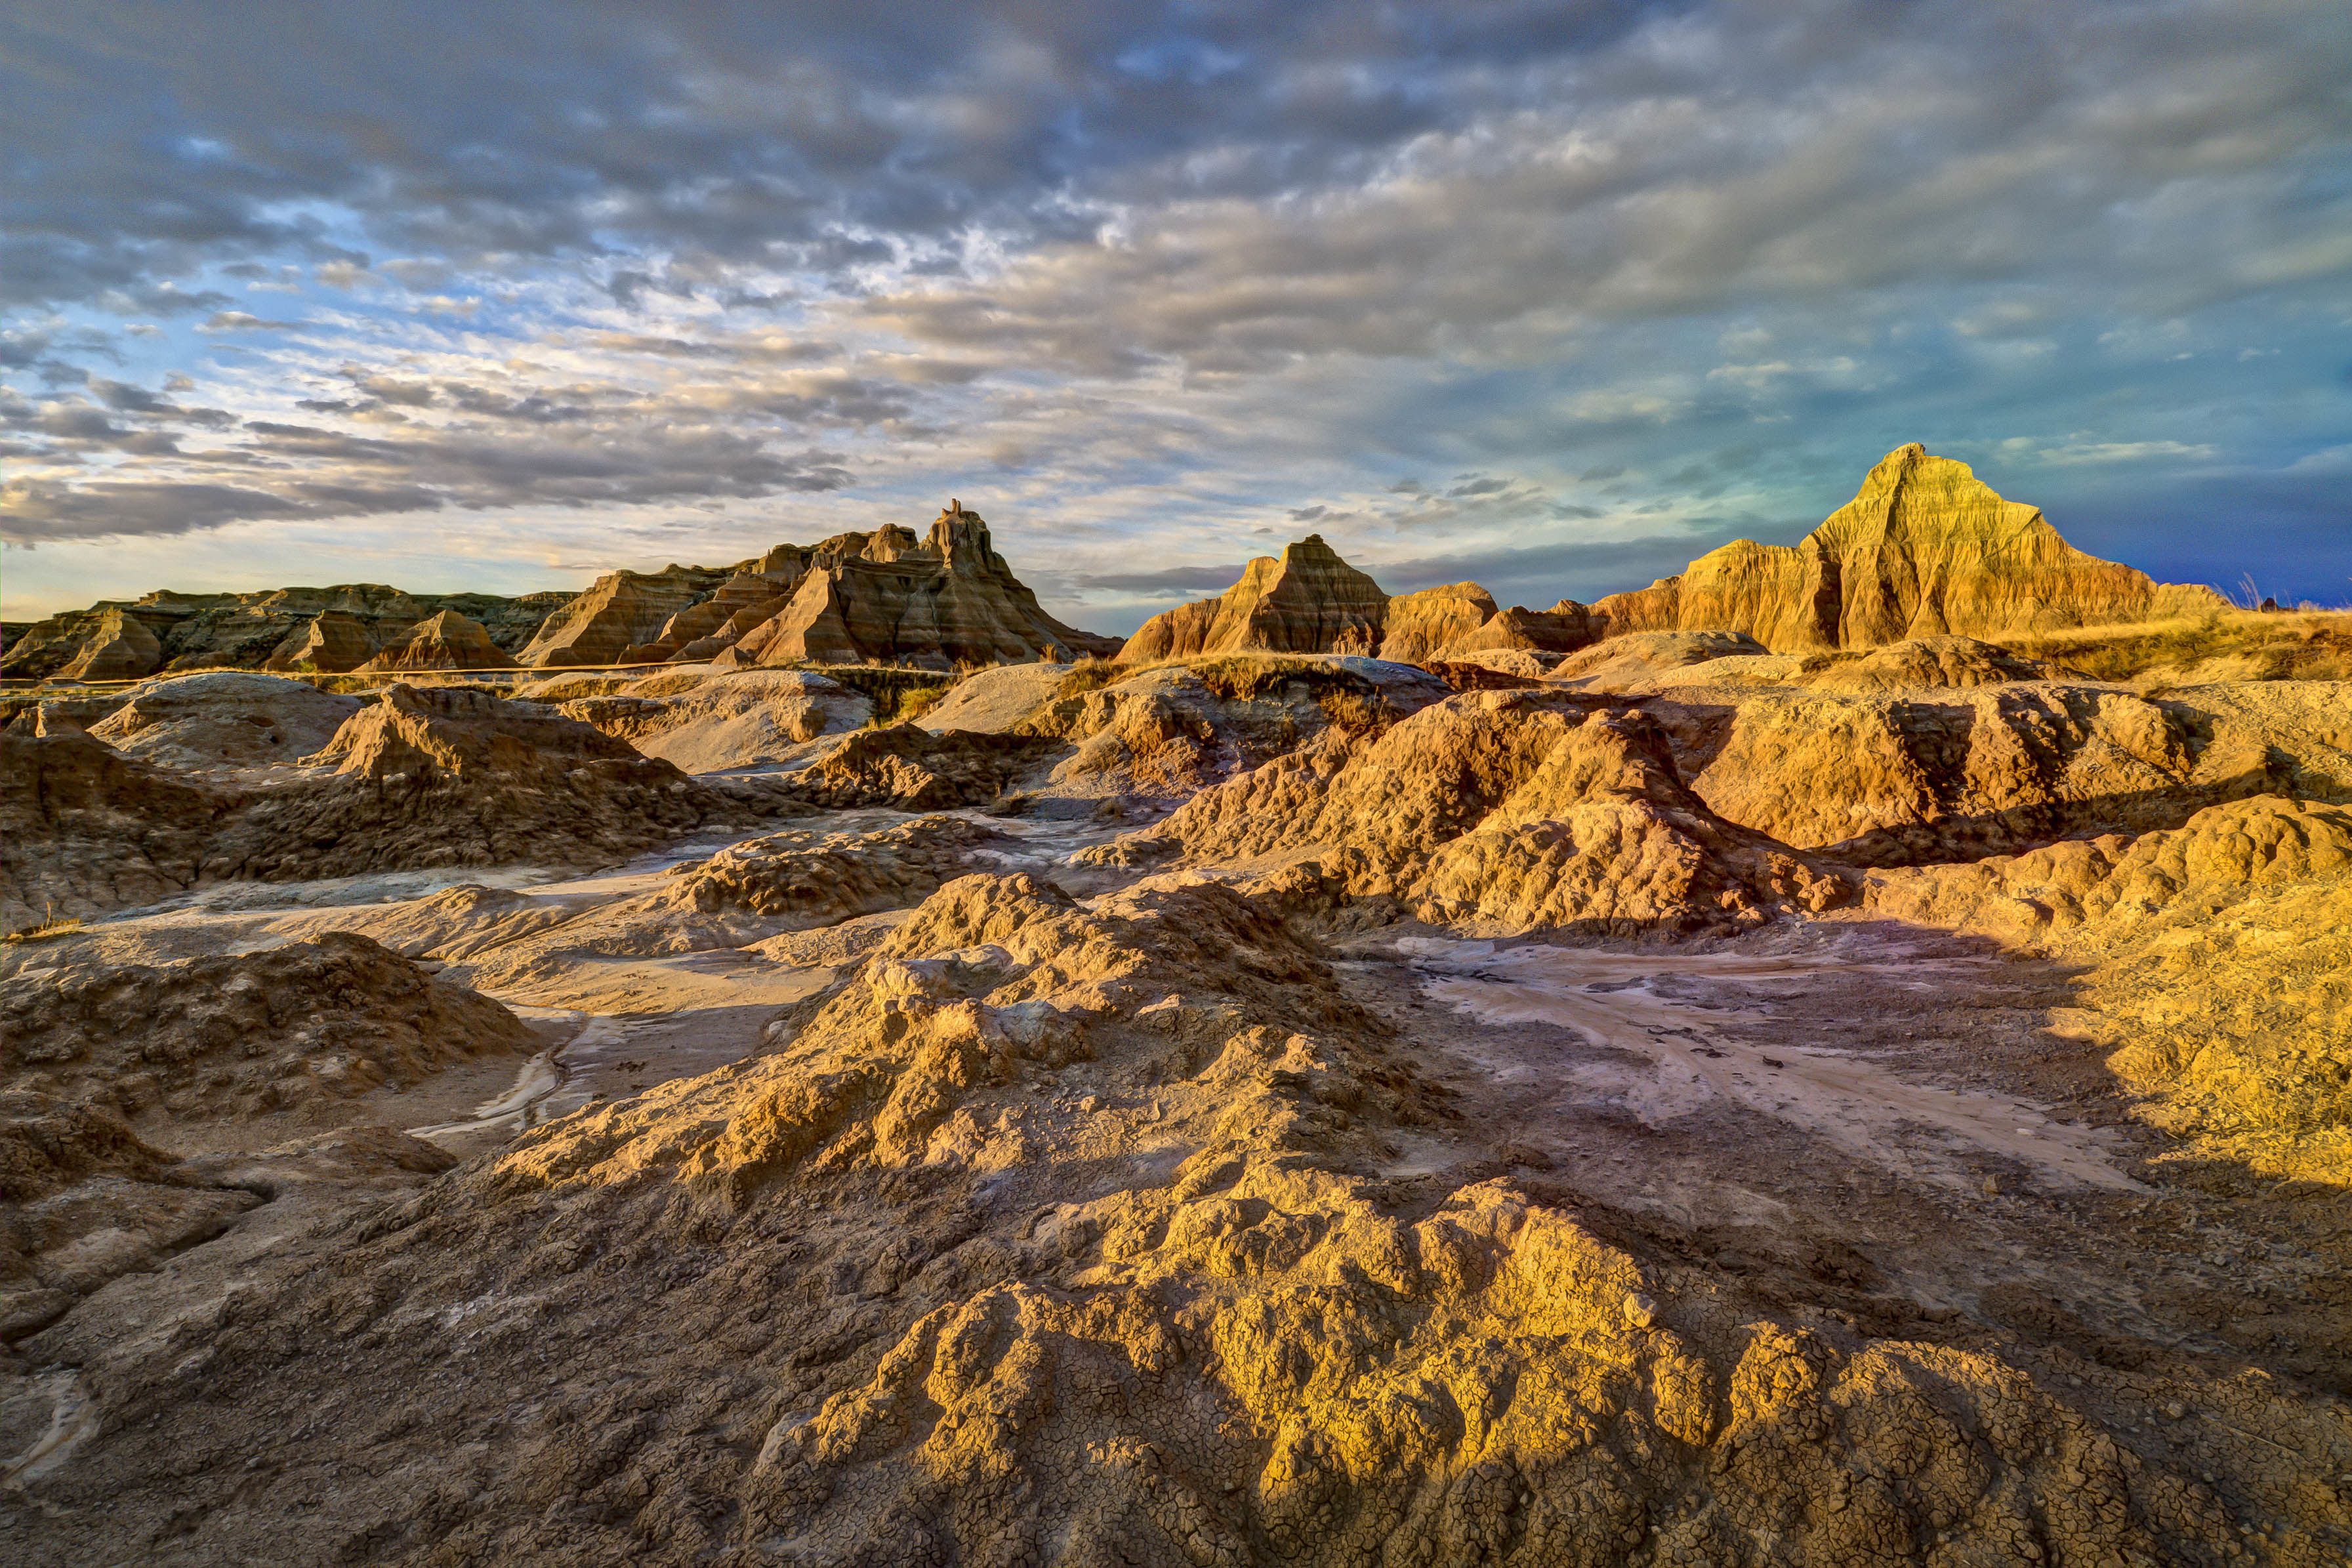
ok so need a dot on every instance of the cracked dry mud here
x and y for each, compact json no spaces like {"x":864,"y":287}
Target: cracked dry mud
{"x":1453,"y":1141}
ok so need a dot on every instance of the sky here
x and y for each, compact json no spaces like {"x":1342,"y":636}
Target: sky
{"x":1552,"y":297}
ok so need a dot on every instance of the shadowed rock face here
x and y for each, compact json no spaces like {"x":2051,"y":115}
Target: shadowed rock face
{"x":624,"y":610}
{"x":447,"y":641}
{"x":1924,"y":550}
{"x":334,"y":641}
{"x":120,"y":648}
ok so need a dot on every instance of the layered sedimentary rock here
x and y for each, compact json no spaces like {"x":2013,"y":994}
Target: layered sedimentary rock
{"x":623,"y":610}
{"x":1924,"y":549}
{"x":890,"y":596}
{"x":203,"y":631}
{"x":1423,"y":625}
{"x":1309,"y":601}
{"x":447,"y":641}
{"x":1564,"y":628}
{"x":1510,"y":811}
{"x":946,"y":600}
{"x":334,"y":641}
{"x":120,"y":647}
{"x":225,"y":721}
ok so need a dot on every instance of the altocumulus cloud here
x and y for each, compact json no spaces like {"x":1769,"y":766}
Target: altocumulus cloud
{"x":1611,"y":282}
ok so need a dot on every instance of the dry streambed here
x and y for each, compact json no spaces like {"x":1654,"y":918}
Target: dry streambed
{"x":1684,"y":1010}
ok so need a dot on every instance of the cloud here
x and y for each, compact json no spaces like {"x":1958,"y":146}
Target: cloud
{"x":1612,"y":266}
{"x":242,"y":321}
{"x":1203,"y":580}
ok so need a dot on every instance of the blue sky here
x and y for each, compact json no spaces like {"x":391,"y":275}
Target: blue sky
{"x":1552,"y":297}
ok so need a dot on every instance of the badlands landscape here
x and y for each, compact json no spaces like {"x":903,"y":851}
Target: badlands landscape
{"x":1842,"y":1056}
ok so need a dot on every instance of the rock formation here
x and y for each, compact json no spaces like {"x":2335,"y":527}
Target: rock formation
{"x":884,"y":597}
{"x":433,"y":777}
{"x":447,"y":641}
{"x":623,"y":610}
{"x":196,"y":631}
{"x":1564,"y":628}
{"x":731,"y":718}
{"x":225,"y":721}
{"x":333,"y":642}
{"x":1923,"y":550}
{"x":1507,"y":811}
{"x":1166,"y":733}
{"x":1311,"y":601}
{"x":1418,"y":627}
{"x":120,"y":647}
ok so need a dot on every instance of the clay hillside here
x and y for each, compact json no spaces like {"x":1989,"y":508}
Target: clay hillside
{"x":888,"y":597}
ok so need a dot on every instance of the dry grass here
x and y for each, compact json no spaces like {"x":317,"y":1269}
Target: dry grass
{"x":45,"y":931}
{"x":1092,"y":674}
{"x":2223,"y":645}
{"x":900,"y":696}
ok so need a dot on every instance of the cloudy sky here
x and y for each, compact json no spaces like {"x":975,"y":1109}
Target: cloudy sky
{"x":498,"y":294}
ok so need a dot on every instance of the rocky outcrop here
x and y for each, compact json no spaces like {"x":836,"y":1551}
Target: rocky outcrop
{"x":621,"y":611}
{"x":333,"y":642}
{"x":1421,"y":626}
{"x":1503,"y":811}
{"x":207,"y":631}
{"x":1166,"y":733}
{"x":447,"y":641}
{"x":225,"y":721}
{"x":84,"y":828}
{"x":120,"y":647}
{"x":423,"y":777}
{"x":1563,"y":629}
{"x":1923,"y":550}
{"x":1309,"y":601}
{"x":909,"y":768}
{"x":735,"y":718}
{"x":943,"y":600}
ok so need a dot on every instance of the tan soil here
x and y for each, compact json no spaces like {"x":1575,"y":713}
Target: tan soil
{"x":959,"y":1190}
